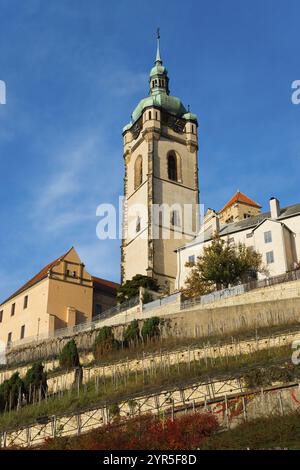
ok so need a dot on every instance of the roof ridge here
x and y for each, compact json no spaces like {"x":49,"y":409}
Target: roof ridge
{"x":240,"y":197}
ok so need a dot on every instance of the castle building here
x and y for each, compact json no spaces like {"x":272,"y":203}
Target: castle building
{"x":238,"y":208}
{"x":161,"y":180}
{"x":63,"y":294}
{"x":275,"y":234}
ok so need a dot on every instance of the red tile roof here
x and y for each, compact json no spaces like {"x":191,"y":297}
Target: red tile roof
{"x":42,"y":274}
{"x":37,"y":278}
{"x":240,"y":197}
{"x":100,"y":283}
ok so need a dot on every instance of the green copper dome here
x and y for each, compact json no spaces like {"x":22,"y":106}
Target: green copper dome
{"x":159,"y":95}
{"x":158,"y":70}
{"x":171,"y":104}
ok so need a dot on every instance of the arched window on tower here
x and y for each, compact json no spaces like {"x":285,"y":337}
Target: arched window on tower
{"x":172,"y":166}
{"x":138,"y":172}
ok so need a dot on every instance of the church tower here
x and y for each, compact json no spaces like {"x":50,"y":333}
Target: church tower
{"x":161,"y":194}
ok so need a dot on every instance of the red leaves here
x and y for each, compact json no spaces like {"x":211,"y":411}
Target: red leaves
{"x":146,"y":432}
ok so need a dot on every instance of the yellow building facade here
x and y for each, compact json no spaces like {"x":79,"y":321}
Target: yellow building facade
{"x":61,"y":295}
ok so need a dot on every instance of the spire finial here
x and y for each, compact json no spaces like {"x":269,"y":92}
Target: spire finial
{"x":158,"y":58}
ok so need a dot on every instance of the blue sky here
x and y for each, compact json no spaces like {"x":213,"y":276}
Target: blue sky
{"x":74,"y":72}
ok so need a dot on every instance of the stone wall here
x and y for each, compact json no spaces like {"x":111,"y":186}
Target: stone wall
{"x":198,"y":322}
{"x":234,"y":318}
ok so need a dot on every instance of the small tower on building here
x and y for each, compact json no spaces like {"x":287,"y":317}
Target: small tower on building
{"x":239,"y":207}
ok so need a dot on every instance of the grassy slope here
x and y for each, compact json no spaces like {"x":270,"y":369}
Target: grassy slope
{"x":263,"y":433}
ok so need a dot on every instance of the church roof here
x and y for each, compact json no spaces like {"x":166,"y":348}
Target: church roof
{"x":242,"y":198}
{"x":159,"y":95}
{"x":171,"y":104}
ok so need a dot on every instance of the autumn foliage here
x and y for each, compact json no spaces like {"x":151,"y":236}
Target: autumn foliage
{"x":145,"y":432}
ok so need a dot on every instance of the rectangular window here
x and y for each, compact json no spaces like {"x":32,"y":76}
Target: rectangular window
{"x":9,"y":338}
{"x":1,"y":316}
{"x":270,"y":257}
{"x":231,"y":240}
{"x":98,"y":309}
{"x":249,"y":235}
{"x":13,"y":309}
{"x":192,"y":259}
{"x":268,"y":236}
{"x":22,"y":332}
{"x":25,"y":304}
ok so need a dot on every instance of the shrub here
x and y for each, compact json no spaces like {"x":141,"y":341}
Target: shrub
{"x":114,"y":410}
{"x":35,"y":382}
{"x":147,"y":297}
{"x":69,"y":357}
{"x":262,"y":377}
{"x":150,"y":328}
{"x":145,"y":432}
{"x":132,"y":333}
{"x":11,"y":392}
{"x":131,"y":287}
{"x":104,"y":342}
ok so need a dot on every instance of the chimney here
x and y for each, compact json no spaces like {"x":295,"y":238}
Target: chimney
{"x":274,"y":208}
{"x":215,"y":225}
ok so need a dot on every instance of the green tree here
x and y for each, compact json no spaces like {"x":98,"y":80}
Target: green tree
{"x":150,"y":328}
{"x":222,"y":264}
{"x":105,"y":342}
{"x":69,"y":357}
{"x":132,"y":333}
{"x":11,"y":392}
{"x":130,"y":288}
{"x":35,"y":382}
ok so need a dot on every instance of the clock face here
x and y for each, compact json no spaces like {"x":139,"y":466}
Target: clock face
{"x":175,"y":123}
{"x":136,"y":129}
